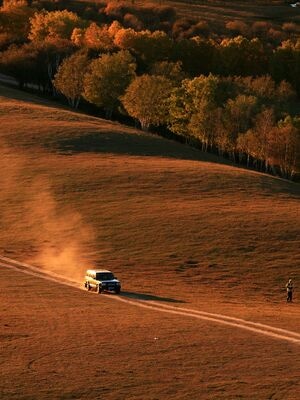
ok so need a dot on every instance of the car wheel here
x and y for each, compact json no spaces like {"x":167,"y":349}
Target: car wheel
{"x":99,"y":290}
{"x":118,"y":291}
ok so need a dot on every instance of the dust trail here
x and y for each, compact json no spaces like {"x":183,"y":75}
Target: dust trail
{"x":65,"y":237}
{"x":33,"y":222}
{"x":262,"y":329}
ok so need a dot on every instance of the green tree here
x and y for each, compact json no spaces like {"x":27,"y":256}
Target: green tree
{"x":179,"y":111}
{"x":193,"y":108}
{"x":107,"y":79}
{"x":146,"y":99}
{"x":204,"y":93}
{"x":238,"y":115}
{"x":69,"y":77}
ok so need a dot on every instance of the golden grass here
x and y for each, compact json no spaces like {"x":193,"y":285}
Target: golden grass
{"x":219,"y":12}
{"x":249,"y":11}
{"x":60,"y":343}
{"x":172,"y":223}
{"x":141,"y":205}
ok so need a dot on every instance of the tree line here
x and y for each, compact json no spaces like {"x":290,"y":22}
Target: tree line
{"x":237,"y":96}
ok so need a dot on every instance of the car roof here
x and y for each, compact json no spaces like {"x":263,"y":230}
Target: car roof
{"x":97,"y":270}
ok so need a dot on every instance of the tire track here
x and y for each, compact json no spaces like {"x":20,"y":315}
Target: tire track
{"x":255,"y":327}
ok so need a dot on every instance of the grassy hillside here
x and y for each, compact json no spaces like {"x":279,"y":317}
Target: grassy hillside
{"x":246,"y":10}
{"x":92,"y":191}
{"x":61,"y":343}
{"x":176,"y":226}
{"x":219,"y":12}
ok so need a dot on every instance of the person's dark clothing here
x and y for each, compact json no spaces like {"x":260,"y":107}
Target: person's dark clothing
{"x":289,"y":291}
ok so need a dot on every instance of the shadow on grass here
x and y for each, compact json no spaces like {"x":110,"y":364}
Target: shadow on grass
{"x":143,"y":296}
{"x":133,"y":143}
{"x":122,"y":140}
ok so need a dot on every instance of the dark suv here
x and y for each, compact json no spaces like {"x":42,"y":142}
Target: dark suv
{"x":102,"y":280}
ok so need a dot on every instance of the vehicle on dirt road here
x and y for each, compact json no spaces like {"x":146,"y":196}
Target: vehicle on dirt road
{"x":101,"y":280}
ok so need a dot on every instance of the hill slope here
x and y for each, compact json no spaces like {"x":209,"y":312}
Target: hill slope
{"x":176,"y":226}
{"x":84,"y":186}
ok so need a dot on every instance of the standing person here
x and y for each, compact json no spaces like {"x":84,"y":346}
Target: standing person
{"x":289,"y":291}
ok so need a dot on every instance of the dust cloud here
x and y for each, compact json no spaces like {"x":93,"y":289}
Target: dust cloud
{"x":35,"y":226}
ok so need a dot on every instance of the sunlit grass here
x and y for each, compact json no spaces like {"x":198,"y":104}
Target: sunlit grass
{"x":141,"y":205}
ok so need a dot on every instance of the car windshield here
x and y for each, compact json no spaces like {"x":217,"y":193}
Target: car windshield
{"x":104,"y":276}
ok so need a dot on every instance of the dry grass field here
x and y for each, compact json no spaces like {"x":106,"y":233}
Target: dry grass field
{"x":177,"y":227}
{"x":219,"y":12}
{"x":246,"y":10}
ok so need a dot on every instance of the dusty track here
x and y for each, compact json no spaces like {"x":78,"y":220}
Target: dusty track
{"x":258,"y":328}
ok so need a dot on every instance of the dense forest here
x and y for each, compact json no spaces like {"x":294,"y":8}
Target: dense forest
{"x":234,"y":91}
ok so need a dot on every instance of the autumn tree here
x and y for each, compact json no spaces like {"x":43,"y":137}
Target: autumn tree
{"x":255,"y":142}
{"x":179,"y":111}
{"x":10,"y":4}
{"x":285,"y":146}
{"x":50,"y":54}
{"x":280,"y":96}
{"x":53,"y":24}
{"x":204,"y":93}
{"x":93,"y":37}
{"x":239,"y":113}
{"x":35,"y":62}
{"x":14,"y":22}
{"x":241,"y":56}
{"x":168,"y":69}
{"x":149,"y":47}
{"x":186,"y":28}
{"x":107,"y":78}
{"x":260,"y":29}
{"x":146,"y":99}
{"x":197,"y":55}
{"x":285,"y":99}
{"x":222,"y":137}
{"x":193,"y":108}
{"x":69,"y":77}
{"x":237,"y":28}
{"x":18,"y":62}
{"x":285,"y":63}
{"x":263,"y":87}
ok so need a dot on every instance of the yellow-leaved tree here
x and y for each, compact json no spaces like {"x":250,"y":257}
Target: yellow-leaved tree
{"x":146,"y":99}
{"x":54,"y":24}
{"x":107,"y":78}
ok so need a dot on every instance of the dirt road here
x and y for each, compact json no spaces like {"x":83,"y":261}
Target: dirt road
{"x":238,"y":323}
